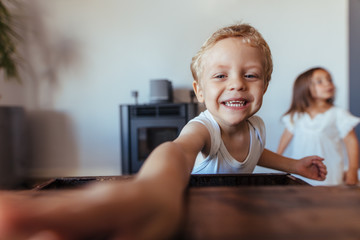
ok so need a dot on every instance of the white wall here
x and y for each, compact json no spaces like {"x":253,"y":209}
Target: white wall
{"x":354,"y":56}
{"x":84,"y":57}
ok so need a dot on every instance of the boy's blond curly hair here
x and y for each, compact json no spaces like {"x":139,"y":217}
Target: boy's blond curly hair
{"x":249,"y":35}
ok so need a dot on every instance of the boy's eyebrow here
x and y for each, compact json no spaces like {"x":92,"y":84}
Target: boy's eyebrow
{"x":258,"y":65}
{"x":250,"y":65}
{"x":255,"y":66}
{"x":221,"y":66}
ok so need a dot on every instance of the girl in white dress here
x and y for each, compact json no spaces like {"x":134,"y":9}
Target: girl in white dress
{"x":315,"y":126}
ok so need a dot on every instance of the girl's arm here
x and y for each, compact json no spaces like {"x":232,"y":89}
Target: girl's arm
{"x":284,"y":141}
{"x":352,"y":147}
{"x":310,"y":167}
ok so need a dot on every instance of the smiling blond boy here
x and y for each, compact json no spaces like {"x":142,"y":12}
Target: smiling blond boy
{"x":231,"y":73}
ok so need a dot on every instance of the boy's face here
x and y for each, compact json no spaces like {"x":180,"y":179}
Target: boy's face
{"x":232,"y":82}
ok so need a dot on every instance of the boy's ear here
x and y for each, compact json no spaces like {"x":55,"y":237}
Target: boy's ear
{"x":265,"y":87}
{"x":198,"y":91}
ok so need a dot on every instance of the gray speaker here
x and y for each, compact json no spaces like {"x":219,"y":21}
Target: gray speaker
{"x":161,"y":91}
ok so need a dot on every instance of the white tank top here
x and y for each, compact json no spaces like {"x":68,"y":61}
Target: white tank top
{"x":219,"y":159}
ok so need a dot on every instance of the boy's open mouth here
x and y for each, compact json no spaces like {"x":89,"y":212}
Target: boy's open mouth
{"x":238,"y":103}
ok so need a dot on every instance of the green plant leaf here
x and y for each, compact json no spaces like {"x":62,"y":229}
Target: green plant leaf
{"x":8,"y":41}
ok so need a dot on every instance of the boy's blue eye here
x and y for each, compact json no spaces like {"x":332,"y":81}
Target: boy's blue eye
{"x":220,"y":76}
{"x":250,"y":76}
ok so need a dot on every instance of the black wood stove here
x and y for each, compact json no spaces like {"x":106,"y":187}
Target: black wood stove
{"x":144,"y":127}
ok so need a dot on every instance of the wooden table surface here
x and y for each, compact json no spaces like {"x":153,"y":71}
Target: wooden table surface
{"x":273,"y":212}
{"x":259,"y":207}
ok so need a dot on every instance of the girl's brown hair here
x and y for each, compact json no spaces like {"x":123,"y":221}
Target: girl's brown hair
{"x":302,"y":98}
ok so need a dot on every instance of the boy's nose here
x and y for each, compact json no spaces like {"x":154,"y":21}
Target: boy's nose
{"x":237,"y":84}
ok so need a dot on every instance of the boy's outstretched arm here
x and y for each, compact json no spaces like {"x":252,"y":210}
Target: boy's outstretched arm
{"x":310,"y":167}
{"x":147,"y":207}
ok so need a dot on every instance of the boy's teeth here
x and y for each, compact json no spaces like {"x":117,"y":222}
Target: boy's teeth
{"x":235,"y":103}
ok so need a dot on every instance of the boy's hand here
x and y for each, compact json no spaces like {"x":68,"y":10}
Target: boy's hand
{"x":108,"y":210}
{"x":312,"y":167}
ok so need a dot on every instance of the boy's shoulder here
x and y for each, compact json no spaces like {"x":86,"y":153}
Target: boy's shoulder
{"x":258,"y":126}
{"x":256,"y":120}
